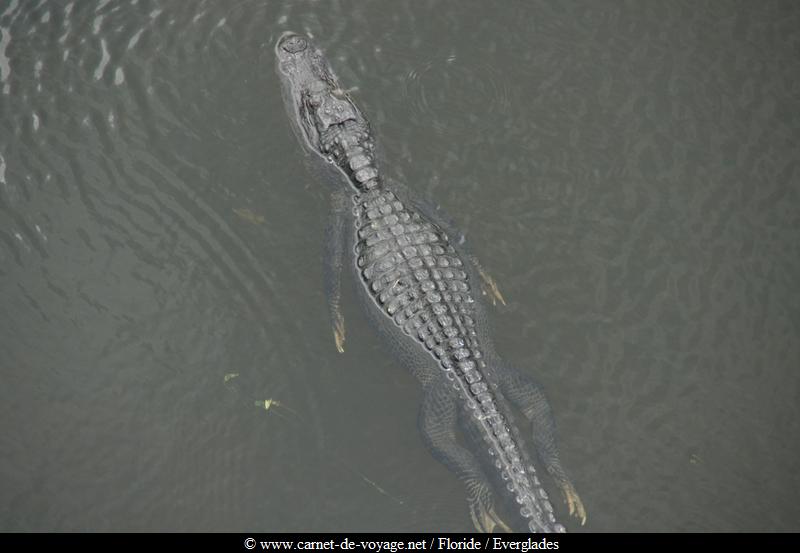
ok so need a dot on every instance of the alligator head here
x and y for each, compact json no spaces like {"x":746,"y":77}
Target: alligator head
{"x":325,"y":117}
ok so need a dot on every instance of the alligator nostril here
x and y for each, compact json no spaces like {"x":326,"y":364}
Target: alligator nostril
{"x":294,"y":44}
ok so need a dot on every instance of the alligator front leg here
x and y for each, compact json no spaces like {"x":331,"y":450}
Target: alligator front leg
{"x":522,"y":391}
{"x":437,"y":421}
{"x":457,"y":239}
{"x":333,"y":261}
{"x":488,"y":284}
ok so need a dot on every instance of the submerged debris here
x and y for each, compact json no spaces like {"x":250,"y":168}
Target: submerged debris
{"x":249,"y":216}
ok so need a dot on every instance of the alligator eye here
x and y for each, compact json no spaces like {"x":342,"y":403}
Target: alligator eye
{"x":310,"y":100}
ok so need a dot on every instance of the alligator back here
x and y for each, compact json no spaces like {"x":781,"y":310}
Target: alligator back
{"x":418,"y":280}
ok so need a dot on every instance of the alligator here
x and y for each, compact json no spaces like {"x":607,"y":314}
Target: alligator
{"x":421,"y":289}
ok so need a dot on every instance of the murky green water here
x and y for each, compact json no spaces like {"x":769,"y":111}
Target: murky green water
{"x":628,"y":172}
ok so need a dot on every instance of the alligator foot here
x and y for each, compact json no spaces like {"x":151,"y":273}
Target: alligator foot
{"x":333,"y":261}
{"x":338,"y":331}
{"x":485,"y":519}
{"x":490,"y":288}
{"x":574,"y":502}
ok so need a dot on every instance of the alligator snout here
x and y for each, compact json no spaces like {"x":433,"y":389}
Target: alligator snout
{"x":293,"y":43}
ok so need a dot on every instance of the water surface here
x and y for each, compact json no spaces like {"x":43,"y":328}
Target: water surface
{"x":628,"y":172}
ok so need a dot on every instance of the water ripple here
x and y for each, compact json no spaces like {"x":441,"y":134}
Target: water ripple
{"x":628,"y":176}
{"x":101,"y":67}
{"x":435,"y":92}
{"x":5,"y":66}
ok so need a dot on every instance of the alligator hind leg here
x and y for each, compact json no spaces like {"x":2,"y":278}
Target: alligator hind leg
{"x":525,"y":394}
{"x":437,"y":421}
{"x":333,"y":261}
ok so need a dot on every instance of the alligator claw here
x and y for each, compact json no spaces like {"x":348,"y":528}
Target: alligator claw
{"x":338,"y":332}
{"x":574,"y":502}
{"x":483,"y":515}
{"x":486,"y":520}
